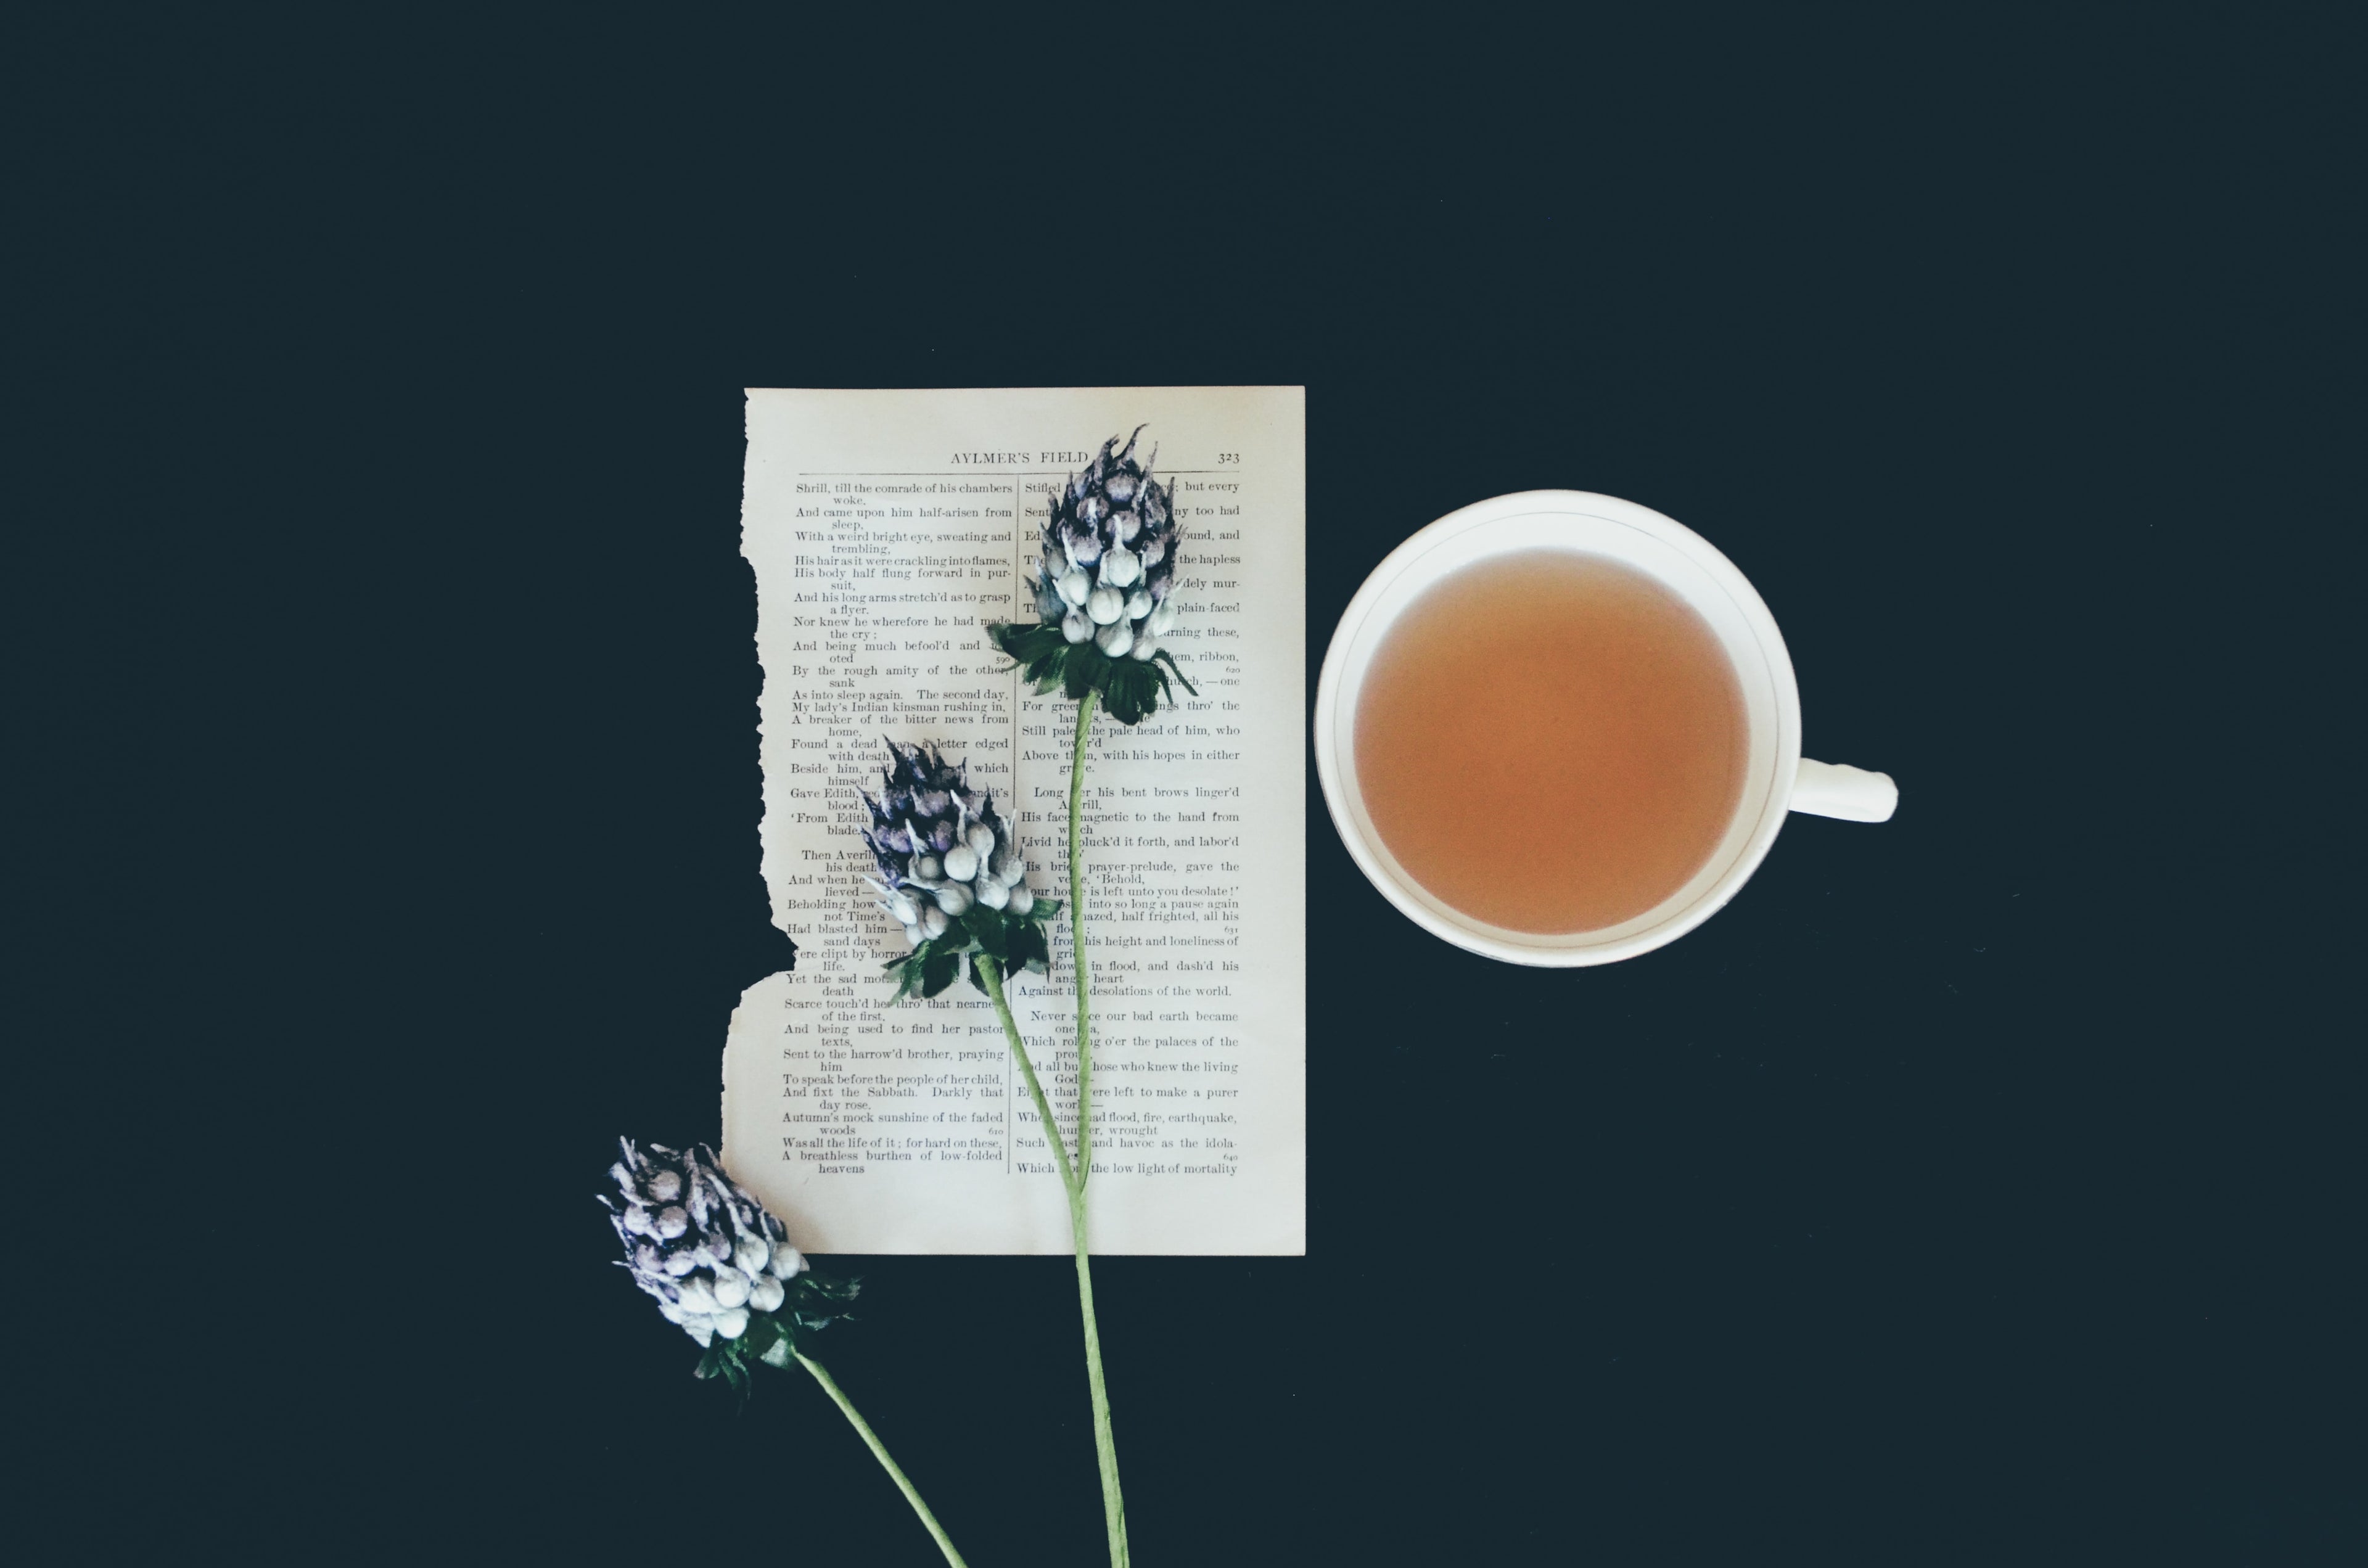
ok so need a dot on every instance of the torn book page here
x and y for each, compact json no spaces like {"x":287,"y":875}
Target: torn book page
{"x":886,"y":528}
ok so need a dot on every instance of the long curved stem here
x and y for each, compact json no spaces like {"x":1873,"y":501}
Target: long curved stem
{"x":1077,"y":944}
{"x":880,"y":1452}
{"x":1105,"y":1438}
{"x":1105,"y":1443}
{"x":1028,"y":1072}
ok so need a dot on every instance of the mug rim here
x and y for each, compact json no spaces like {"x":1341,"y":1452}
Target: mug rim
{"x":1503,"y":509}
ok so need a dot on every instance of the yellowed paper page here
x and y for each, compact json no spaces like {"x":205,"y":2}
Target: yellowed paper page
{"x":886,"y":528}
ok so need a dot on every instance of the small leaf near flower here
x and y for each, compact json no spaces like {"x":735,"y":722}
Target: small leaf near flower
{"x":1029,"y":951}
{"x":772,"y":1339}
{"x":1087,"y":669}
{"x":1011,"y":942}
{"x":1131,"y":688}
{"x":988,"y":929}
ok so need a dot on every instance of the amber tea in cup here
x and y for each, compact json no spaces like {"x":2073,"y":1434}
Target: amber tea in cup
{"x":1559,"y":729}
{"x":1551,"y":742}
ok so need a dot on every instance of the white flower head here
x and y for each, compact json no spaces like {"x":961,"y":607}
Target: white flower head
{"x":697,"y":1241}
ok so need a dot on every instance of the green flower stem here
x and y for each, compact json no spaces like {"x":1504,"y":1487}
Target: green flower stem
{"x":985,"y":969}
{"x":1104,"y":1439}
{"x":1072,"y":1182}
{"x":880,"y":1452}
{"x":1078,"y":946}
{"x":1073,"y":1174}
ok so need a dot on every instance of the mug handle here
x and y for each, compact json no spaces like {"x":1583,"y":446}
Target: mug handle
{"x":1836,"y":790}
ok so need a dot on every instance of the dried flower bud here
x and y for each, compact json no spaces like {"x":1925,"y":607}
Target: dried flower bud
{"x":937,"y":843}
{"x":1109,"y":556}
{"x":726,"y":1257}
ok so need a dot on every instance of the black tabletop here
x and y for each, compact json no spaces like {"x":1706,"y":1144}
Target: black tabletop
{"x":1980,"y":1187}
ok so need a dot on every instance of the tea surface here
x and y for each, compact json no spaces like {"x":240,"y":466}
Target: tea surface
{"x":1551,"y":742}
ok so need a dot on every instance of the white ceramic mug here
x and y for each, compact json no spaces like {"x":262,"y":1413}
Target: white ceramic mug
{"x":1777,"y":779}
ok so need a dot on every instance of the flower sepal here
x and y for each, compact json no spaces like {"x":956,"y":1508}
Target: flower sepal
{"x":776,"y":1338}
{"x":1011,"y":942}
{"x":1131,"y":687}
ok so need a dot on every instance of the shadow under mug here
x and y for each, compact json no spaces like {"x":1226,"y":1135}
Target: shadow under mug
{"x":1777,"y":779}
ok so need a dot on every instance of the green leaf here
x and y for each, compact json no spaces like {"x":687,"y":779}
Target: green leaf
{"x":1086,"y":670}
{"x":1028,"y":949}
{"x":1046,"y":908}
{"x":782,"y":1352}
{"x":1162,"y":656}
{"x":937,"y":970}
{"x":822,"y":1293}
{"x":1143,"y":685}
{"x":988,"y":928}
{"x":1023,"y":641}
{"x":1038,"y":649}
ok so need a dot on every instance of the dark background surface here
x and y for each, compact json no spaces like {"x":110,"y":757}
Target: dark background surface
{"x":1979,"y":1187}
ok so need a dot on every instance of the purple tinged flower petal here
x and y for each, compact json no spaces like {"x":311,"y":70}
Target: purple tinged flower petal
{"x":731,"y":1263}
